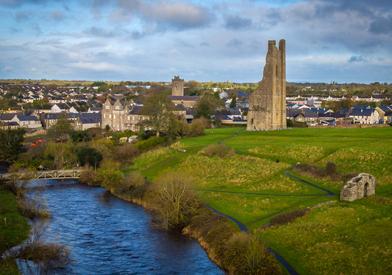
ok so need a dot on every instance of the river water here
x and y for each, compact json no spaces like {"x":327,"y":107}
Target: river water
{"x":106,"y":235}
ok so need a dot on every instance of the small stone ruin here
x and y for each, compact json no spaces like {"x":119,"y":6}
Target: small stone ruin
{"x":361,"y":186}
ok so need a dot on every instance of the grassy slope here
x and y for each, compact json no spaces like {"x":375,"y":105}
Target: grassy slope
{"x":252,"y":187}
{"x":13,"y":228}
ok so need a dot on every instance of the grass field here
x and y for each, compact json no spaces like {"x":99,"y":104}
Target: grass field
{"x":13,"y":228}
{"x":252,"y":186}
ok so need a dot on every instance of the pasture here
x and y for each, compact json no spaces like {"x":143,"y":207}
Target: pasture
{"x":258,"y":183}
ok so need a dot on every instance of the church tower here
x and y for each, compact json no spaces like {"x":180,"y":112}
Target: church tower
{"x":267,"y":105}
{"x":177,"y":86}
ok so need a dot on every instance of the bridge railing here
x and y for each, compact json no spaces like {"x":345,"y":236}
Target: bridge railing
{"x":49,"y":174}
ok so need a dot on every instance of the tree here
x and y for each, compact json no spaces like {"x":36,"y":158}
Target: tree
{"x":61,"y":130}
{"x":89,"y":156}
{"x":233,"y":102}
{"x":158,"y":108}
{"x":175,"y":200}
{"x":11,"y":144}
{"x":207,"y":106}
{"x":80,"y":136}
{"x":60,"y":155}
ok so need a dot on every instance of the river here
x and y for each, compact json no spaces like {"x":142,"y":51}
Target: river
{"x":106,"y":235}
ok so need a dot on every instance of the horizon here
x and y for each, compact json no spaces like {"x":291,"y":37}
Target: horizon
{"x":218,"y":41}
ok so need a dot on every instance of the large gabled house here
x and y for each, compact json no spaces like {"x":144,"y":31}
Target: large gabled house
{"x":364,"y":115}
{"x":87,"y":120}
{"x":120,"y":116}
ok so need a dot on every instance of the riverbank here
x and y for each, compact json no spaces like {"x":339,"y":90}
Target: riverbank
{"x":229,"y":248}
{"x":14,"y":228}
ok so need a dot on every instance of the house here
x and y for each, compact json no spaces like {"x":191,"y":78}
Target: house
{"x":50,"y":119}
{"x":59,"y":108}
{"x":86,"y":121}
{"x":27,"y":121}
{"x":120,"y":116}
{"x":9,"y":125}
{"x":385,"y":112}
{"x":187,"y":101}
{"x":7,"y":117}
{"x":367,"y":115}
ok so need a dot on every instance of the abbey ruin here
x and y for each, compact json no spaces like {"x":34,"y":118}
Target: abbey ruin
{"x":267,"y":105}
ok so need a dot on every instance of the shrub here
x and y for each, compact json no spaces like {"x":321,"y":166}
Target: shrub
{"x":174,"y":201}
{"x":134,"y":184}
{"x":197,"y":127}
{"x":247,"y":255}
{"x":288,"y":217}
{"x":125,"y":153}
{"x":219,"y":150}
{"x":80,"y":136}
{"x":89,"y":177}
{"x":149,"y":143}
{"x":32,"y":209}
{"x":109,"y":175}
{"x":330,"y":168}
{"x":47,"y":255}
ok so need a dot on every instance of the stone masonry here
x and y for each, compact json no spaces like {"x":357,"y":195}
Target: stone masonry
{"x":177,"y":86}
{"x":361,"y":186}
{"x":267,"y":105}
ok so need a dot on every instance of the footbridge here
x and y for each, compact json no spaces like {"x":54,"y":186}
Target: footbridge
{"x":47,"y":174}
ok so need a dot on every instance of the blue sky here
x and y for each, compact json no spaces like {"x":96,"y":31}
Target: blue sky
{"x":327,"y":40}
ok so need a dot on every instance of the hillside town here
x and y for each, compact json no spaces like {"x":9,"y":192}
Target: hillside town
{"x":38,"y":107}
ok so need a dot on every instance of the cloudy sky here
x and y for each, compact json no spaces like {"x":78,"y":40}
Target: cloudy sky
{"x":327,"y":40}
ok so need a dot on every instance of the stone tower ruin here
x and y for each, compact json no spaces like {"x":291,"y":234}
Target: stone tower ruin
{"x":177,"y":86}
{"x":267,"y":105}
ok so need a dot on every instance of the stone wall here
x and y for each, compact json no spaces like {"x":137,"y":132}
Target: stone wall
{"x":267,"y":105}
{"x":361,"y":186}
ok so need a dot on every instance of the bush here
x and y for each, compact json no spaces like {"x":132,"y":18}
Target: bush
{"x":330,"y":168}
{"x":109,"y":175}
{"x":125,"y":153}
{"x":89,"y":177}
{"x":215,"y":230}
{"x":134,"y":184}
{"x":149,"y":143}
{"x":247,"y":255}
{"x":288,"y":217}
{"x":47,"y":255}
{"x":173,"y":200}
{"x":219,"y":150}
{"x":197,"y":127}
{"x":80,"y":136}
{"x":32,"y":209}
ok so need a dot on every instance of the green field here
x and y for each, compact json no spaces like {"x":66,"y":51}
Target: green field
{"x":254,"y":185}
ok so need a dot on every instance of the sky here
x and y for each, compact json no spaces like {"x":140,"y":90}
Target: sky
{"x":203,"y":40}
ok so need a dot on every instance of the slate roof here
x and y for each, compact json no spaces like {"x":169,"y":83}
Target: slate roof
{"x":27,"y":118}
{"x":7,"y":116}
{"x":55,"y":116}
{"x":386,"y":108}
{"x":361,"y":112}
{"x":135,"y":110}
{"x":88,"y":118}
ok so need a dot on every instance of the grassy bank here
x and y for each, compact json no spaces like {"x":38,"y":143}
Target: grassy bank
{"x":252,"y":186}
{"x":14,"y":228}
